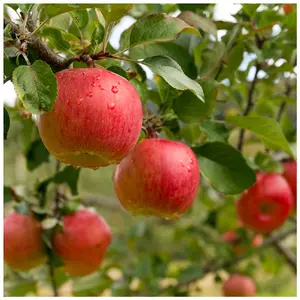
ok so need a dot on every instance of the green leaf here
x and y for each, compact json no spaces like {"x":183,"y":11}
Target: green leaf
{"x":70,"y":176}
{"x":25,"y":8}
{"x":55,"y":38}
{"x":224,"y":167}
{"x":80,"y":17}
{"x":192,"y":7}
{"x":36,"y":86}
{"x":119,"y":71}
{"x":166,"y":92}
{"x":8,"y":195}
{"x":97,"y":35}
{"x":188,"y":107}
{"x":154,"y":28}
{"x":18,"y":286}
{"x":36,"y":155}
{"x":7,"y":36}
{"x":250,"y":9}
{"x":172,"y":73}
{"x":191,"y":133}
{"x":267,"y":163}
{"x":91,"y":285}
{"x":267,"y":130}
{"x":6,"y":123}
{"x":216,"y":132}
{"x":190,"y":274}
{"x":111,"y":12}
{"x":195,"y":20}
{"x":171,"y":50}
{"x":23,"y":208}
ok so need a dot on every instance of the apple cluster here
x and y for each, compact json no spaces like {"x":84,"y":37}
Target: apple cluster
{"x":98,"y":123}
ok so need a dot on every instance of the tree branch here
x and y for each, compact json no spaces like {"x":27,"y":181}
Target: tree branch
{"x":52,"y":278}
{"x":287,"y":254}
{"x":248,"y":106}
{"x":224,"y":265}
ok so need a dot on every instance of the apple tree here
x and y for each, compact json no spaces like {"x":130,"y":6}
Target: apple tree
{"x":160,"y":162}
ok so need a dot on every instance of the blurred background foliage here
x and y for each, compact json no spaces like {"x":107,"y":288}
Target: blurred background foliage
{"x":151,"y":256}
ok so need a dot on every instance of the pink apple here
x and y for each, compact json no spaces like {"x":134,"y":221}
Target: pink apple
{"x":82,"y":243}
{"x":159,"y":177}
{"x":238,"y":285}
{"x":290,"y":174}
{"x":96,"y":119}
{"x":23,"y":244}
{"x":266,"y":205}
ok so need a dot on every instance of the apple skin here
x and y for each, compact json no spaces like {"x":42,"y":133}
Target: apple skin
{"x":159,"y":177}
{"x":238,"y":247}
{"x":287,"y":8}
{"x":238,"y":285}
{"x":23,"y":244}
{"x":96,"y":119}
{"x":290,"y":174}
{"x":267,"y":204}
{"x":82,"y":243}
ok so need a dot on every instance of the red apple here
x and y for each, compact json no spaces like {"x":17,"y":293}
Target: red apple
{"x":290,"y":174}
{"x":238,"y":285}
{"x":82,"y":243}
{"x":23,"y":244}
{"x":96,"y":119}
{"x":159,"y":177}
{"x":287,"y":8}
{"x":266,"y":205}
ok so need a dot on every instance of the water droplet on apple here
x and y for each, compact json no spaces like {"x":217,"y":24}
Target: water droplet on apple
{"x":111,"y":106}
{"x":69,"y":101}
{"x":89,"y":94}
{"x":182,"y":164}
{"x":84,"y":73}
{"x":80,"y":100}
{"x":93,"y":84}
{"x":114,"y":89}
{"x":119,"y":82}
{"x":189,"y":168}
{"x":191,"y":161}
{"x":101,"y":87}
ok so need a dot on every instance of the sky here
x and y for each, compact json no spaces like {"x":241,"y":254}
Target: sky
{"x":222,"y":12}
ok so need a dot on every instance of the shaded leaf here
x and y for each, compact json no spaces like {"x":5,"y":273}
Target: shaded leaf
{"x":80,"y":17}
{"x":267,"y":130}
{"x":36,"y":86}
{"x":216,"y":132}
{"x":154,"y":28}
{"x":23,"y":208}
{"x":195,"y":20}
{"x":70,"y":176}
{"x":190,"y":274}
{"x":8,"y":195}
{"x":97,"y":35}
{"x":224,"y":167}
{"x":172,"y":73}
{"x":119,"y":71}
{"x":36,"y":154}
{"x":188,"y":107}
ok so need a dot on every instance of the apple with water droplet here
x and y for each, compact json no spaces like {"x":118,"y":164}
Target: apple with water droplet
{"x":159,"y":177}
{"x":23,"y":244}
{"x":82,"y":242}
{"x":267,"y":204}
{"x":239,"y":285}
{"x":290,"y":174}
{"x":96,"y":119}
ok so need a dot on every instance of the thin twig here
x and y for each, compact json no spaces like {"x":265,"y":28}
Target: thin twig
{"x":248,"y":106}
{"x":52,"y":278}
{"x":287,"y":254}
{"x":226,"y":264}
{"x":57,"y":193}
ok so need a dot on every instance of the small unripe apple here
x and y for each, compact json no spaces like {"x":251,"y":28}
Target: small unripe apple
{"x":23,"y":244}
{"x":266,"y":205}
{"x":159,"y":177}
{"x":82,"y":243}
{"x":287,"y":8}
{"x":238,"y":285}
{"x":96,"y":119}
{"x":290,"y":174}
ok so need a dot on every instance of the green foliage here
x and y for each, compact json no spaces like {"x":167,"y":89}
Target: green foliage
{"x":198,"y":94}
{"x":36,"y":86}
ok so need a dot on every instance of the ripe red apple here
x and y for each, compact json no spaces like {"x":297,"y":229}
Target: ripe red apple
{"x":266,"y":205}
{"x":238,"y":246}
{"x":23,"y":244}
{"x":159,"y":177}
{"x":290,"y":174}
{"x":82,"y":243}
{"x":287,"y":8}
{"x":96,"y":119}
{"x":238,"y":285}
